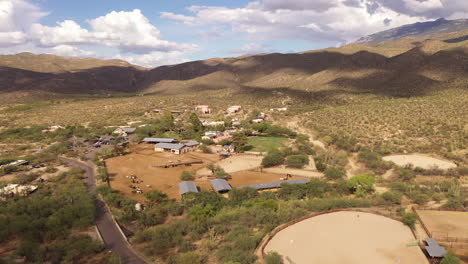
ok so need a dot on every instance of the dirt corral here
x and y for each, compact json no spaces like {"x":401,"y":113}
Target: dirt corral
{"x":236,"y":163}
{"x":142,"y":163}
{"x":253,"y":177}
{"x":347,"y":237}
{"x":450,"y":228}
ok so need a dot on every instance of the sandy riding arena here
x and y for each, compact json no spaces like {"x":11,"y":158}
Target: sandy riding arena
{"x":347,"y":237}
{"x":236,"y":163}
{"x":422,"y":161}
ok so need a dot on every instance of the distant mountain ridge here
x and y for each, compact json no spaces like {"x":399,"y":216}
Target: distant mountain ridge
{"x":403,"y":67}
{"x":439,"y":26}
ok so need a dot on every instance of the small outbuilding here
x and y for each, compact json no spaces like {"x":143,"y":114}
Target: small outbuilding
{"x":124,"y":131}
{"x":203,"y":109}
{"x":186,"y":187}
{"x":192,"y":146}
{"x":234,"y":109}
{"x":12,"y":190}
{"x":434,"y":250}
{"x":220,"y":185}
{"x":229,"y":148}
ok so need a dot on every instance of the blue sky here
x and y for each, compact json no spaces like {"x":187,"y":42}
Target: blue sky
{"x":153,"y":33}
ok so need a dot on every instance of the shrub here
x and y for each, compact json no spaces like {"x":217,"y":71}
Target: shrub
{"x":205,"y":148}
{"x":297,"y":161}
{"x":450,"y":259}
{"x":391,"y":198}
{"x":186,"y":176}
{"x":273,"y":258}
{"x":334,"y":173}
{"x":405,"y":174}
{"x":190,"y":257}
{"x":409,"y":219}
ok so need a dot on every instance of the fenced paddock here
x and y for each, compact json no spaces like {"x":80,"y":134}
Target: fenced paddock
{"x":346,"y":237}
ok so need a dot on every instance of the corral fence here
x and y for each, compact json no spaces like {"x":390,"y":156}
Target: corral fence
{"x":427,"y":208}
{"x":443,"y":237}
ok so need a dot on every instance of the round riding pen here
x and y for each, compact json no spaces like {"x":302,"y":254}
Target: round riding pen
{"x":347,"y":237}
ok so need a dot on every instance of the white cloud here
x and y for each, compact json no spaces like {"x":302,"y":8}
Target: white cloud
{"x":155,"y":58}
{"x":330,"y":20}
{"x":250,"y":48}
{"x":130,"y":34}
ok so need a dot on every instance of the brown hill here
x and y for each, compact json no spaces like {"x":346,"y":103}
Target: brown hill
{"x":408,"y":66}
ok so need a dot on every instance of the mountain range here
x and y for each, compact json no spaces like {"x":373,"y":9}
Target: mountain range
{"x":410,"y":60}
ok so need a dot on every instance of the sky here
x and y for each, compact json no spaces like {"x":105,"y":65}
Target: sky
{"x":151,"y":33}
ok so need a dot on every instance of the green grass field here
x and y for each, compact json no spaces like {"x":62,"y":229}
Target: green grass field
{"x":265,"y":144}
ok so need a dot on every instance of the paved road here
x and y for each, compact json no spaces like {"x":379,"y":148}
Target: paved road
{"x":113,"y":238}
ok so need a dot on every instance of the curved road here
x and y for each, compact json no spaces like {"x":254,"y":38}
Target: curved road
{"x":111,"y":234}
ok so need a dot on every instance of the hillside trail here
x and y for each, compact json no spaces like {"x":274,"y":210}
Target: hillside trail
{"x":352,"y":168}
{"x":294,"y":125}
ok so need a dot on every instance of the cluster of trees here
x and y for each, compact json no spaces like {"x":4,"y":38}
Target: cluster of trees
{"x":43,"y":221}
{"x":288,"y":156}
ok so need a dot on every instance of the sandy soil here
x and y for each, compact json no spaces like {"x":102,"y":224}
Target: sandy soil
{"x":252,"y":177}
{"x":420,"y":160}
{"x":443,"y":223}
{"x":296,"y":172}
{"x":235,"y":163}
{"x":347,"y":237}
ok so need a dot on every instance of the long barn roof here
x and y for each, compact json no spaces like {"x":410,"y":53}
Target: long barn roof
{"x":272,"y":185}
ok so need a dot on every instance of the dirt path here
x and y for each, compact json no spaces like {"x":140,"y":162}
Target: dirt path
{"x":294,"y":125}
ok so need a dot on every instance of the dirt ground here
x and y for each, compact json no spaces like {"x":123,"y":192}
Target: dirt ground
{"x":420,"y":160}
{"x":253,"y":177}
{"x":141,"y":162}
{"x":347,"y":237}
{"x":236,"y":163}
{"x":443,"y":223}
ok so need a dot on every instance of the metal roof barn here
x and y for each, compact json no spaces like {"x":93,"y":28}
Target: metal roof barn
{"x":192,"y":144}
{"x":273,"y":185}
{"x":220,"y":185}
{"x":169,"y":146}
{"x":186,"y":187}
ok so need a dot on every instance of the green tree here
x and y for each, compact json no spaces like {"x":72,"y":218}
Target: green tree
{"x":297,"y":161}
{"x":273,"y":158}
{"x":361,"y":184}
{"x":239,"y":140}
{"x":196,"y":123}
{"x":409,"y":219}
{"x":155,"y":197}
{"x":334,"y":173}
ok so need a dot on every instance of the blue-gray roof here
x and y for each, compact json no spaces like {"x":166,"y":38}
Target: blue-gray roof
{"x":191,"y":144}
{"x":220,"y":185}
{"x":169,"y":146}
{"x":272,"y":185}
{"x":434,"y":250}
{"x":224,"y":153}
{"x":159,"y":140}
{"x":186,"y":187}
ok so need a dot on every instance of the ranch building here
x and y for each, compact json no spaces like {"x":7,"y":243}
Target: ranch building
{"x":171,"y":147}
